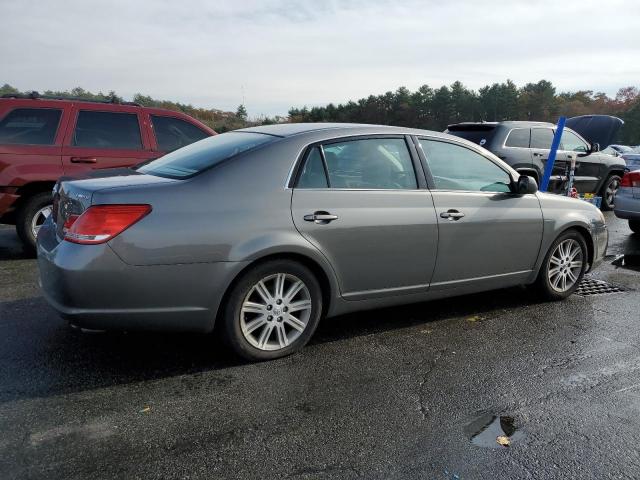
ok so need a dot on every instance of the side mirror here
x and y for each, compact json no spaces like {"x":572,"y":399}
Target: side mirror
{"x":526,"y":184}
{"x":593,"y":148}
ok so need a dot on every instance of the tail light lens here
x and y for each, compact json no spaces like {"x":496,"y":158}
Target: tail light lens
{"x":101,"y":223}
{"x":631,"y":179}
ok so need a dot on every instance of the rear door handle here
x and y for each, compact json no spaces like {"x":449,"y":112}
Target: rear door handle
{"x":83,"y":160}
{"x":320,"y":218}
{"x":452,"y":214}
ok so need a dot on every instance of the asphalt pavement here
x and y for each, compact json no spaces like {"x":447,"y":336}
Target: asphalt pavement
{"x":416,"y":392}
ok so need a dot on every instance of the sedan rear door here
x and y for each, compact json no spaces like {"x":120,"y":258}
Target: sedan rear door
{"x":488,"y":236}
{"x":361,"y":204}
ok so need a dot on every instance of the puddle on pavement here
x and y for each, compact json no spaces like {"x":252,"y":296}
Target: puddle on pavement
{"x":486,"y":430}
{"x":630,"y":261}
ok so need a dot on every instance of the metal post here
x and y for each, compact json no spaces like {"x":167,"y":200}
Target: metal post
{"x":552,"y":155}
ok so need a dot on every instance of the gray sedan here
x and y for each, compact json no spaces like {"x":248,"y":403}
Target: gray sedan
{"x":261,"y":232}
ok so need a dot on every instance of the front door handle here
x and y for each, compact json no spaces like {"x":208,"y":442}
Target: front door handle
{"x":321,"y":218}
{"x":452,"y":214}
{"x":84,"y":160}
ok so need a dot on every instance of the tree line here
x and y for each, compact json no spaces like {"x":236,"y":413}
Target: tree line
{"x":428,"y":108}
{"x":435,"y":108}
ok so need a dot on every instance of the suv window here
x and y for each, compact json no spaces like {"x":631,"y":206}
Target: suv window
{"x":30,"y":126}
{"x":198,"y":157}
{"x":375,"y":163}
{"x":454,"y":167}
{"x":313,"y":174}
{"x":571,"y":142}
{"x":518,"y":137}
{"x":107,"y":130}
{"x":173,"y":133}
{"x":480,"y":133}
{"x":541,"y":138}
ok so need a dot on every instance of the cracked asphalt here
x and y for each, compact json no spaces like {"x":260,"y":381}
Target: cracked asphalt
{"x":377,"y":395}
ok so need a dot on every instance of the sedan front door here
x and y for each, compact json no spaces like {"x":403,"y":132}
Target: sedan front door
{"x":360,"y":203}
{"x":488,"y":236}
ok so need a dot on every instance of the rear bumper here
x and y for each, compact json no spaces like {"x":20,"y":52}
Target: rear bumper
{"x":93,"y":288}
{"x":626,"y":205}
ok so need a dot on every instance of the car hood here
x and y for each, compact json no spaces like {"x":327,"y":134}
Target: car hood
{"x":600,"y":129}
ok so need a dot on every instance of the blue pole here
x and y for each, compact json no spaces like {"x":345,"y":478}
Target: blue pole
{"x":552,"y":155}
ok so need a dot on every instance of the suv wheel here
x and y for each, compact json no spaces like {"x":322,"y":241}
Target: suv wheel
{"x":564,"y":266}
{"x":272,"y":311}
{"x":30,"y":218}
{"x":609,"y":190}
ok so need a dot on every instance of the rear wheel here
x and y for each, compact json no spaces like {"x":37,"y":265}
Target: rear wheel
{"x":634,"y":225}
{"x":272,"y":311}
{"x":33,"y":213}
{"x":564,"y":266}
{"x":609,"y":190}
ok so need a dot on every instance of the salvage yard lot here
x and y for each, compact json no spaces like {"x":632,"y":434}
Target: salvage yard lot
{"x":392,"y":393}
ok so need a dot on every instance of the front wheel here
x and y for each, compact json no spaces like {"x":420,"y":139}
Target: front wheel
{"x":33,"y":213}
{"x":272,"y":311}
{"x":609,"y":190}
{"x":564,"y":266}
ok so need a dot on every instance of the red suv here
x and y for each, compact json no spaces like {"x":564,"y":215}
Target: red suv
{"x":43,"y":138}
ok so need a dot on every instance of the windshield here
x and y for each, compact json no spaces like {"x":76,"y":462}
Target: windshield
{"x":199,"y":156}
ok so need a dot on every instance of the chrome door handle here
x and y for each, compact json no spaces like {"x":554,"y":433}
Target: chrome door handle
{"x":320,"y":218}
{"x":452,"y":214}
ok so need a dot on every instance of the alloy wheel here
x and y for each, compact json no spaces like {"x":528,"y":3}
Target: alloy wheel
{"x":39,"y":218}
{"x":565,"y":265}
{"x":611,"y":190}
{"x":275,"y":312}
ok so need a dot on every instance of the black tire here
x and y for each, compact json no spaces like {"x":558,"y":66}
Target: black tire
{"x":231,"y":315}
{"x":25,"y":217}
{"x":634,"y":225}
{"x":544,"y":284}
{"x":612,"y":183}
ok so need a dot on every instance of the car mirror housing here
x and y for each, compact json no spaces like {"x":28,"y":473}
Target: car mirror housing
{"x":593,"y":148}
{"x":525,"y":185}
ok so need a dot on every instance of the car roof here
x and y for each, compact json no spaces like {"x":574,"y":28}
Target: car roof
{"x":291,"y":129}
{"x":507,"y":123}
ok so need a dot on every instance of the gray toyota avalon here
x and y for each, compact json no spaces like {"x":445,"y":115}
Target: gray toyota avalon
{"x":266,"y":230}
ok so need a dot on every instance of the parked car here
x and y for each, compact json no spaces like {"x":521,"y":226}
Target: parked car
{"x":43,"y":138}
{"x":264,"y":230}
{"x":525,"y":146}
{"x":628,"y":154}
{"x":628,"y":200}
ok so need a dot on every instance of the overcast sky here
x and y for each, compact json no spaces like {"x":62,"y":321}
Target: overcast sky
{"x":284,"y":53}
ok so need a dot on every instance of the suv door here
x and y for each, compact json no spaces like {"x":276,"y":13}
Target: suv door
{"x":541,"y":139}
{"x":488,"y":236}
{"x":100,"y":137}
{"x":361,"y":204}
{"x":588,"y":169}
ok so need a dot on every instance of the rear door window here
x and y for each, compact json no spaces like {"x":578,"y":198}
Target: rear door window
{"x":313,"y":174}
{"x":373,"y":163}
{"x":30,"y":126}
{"x":518,"y":137}
{"x":173,"y":133}
{"x":107,"y":130}
{"x":541,"y":138}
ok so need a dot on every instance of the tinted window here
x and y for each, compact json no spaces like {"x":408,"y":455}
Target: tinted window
{"x":371,"y":163}
{"x":202,"y":155}
{"x":173,"y":133}
{"x":457,"y":168}
{"x":480,"y":134}
{"x":30,"y":126}
{"x":541,"y":138}
{"x":313,"y":175}
{"x":570,"y":141}
{"x":107,"y":130}
{"x":518,"y":137}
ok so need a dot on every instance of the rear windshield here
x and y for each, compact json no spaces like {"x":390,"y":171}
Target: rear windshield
{"x":480,"y":134}
{"x":197,"y":157}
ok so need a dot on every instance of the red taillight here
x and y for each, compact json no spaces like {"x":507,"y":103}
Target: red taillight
{"x":100,"y":223}
{"x":631,"y":179}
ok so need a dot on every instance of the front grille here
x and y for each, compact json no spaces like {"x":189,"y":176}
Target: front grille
{"x":591,"y":286}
